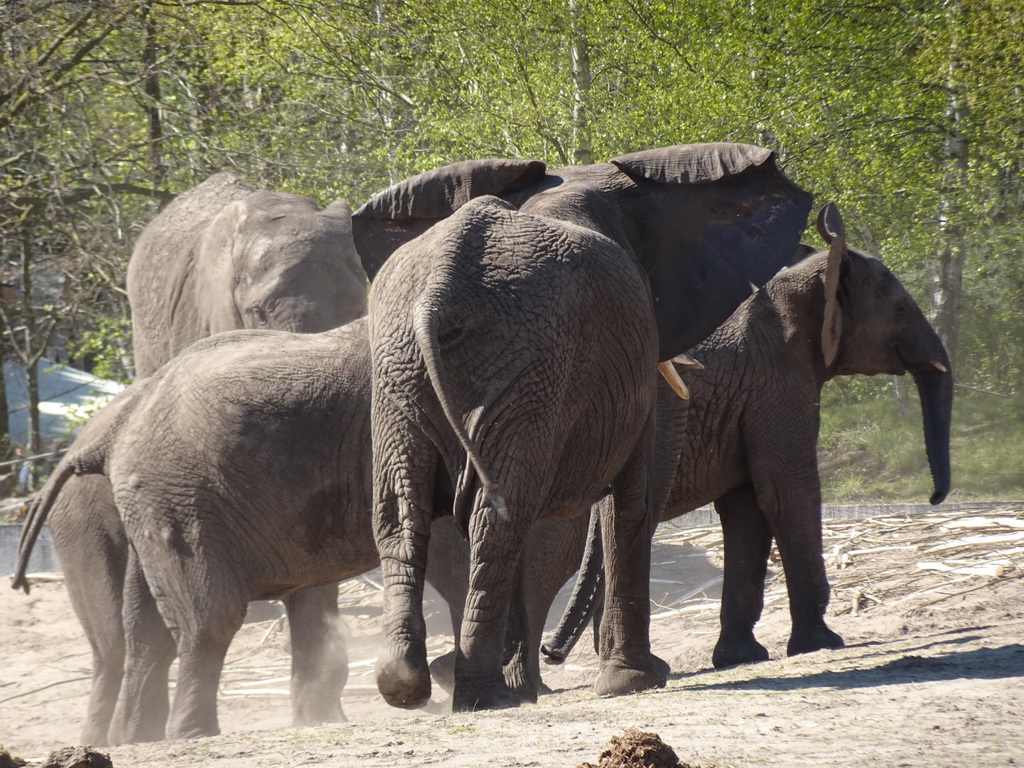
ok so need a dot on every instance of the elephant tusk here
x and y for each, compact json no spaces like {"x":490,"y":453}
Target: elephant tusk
{"x":671,"y":375}
{"x":938,"y":366}
{"x":688,"y":362}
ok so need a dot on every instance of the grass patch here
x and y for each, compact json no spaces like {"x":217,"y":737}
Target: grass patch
{"x":869,"y":451}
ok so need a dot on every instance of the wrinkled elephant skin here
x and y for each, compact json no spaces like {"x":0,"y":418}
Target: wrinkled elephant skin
{"x":516,"y":321}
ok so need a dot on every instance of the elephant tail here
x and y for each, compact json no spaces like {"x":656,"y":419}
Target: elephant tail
{"x":425,"y":324}
{"x":585,"y":600}
{"x":89,"y":460}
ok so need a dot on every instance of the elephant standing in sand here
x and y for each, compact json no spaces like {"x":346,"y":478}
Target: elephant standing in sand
{"x":240,"y":471}
{"x":751,"y":434}
{"x":515,"y":347}
{"x":224,"y":255}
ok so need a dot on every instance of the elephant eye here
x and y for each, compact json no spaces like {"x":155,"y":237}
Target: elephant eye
{"x":260,"y":315}
{"x":901,"y":313}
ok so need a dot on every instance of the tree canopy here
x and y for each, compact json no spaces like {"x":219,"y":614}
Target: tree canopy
{"x":910,"y":115}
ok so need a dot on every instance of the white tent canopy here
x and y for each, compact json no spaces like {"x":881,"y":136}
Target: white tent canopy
{"x":61,"y":388}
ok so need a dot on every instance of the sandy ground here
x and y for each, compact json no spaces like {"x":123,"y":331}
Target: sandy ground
{"x":932,"y":609}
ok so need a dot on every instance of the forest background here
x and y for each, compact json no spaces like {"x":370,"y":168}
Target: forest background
{"x":907,"y":113}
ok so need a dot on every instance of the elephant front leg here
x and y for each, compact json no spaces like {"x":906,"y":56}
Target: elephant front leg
{"x":626,"y":661}
{"x":785,"y":479}
{"x":799,"y":542}
{"x":748,"y":541}
{"x":319,"y":656}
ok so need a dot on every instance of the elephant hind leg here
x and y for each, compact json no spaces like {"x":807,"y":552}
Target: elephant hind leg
{"x":142,"y":707}
{"x":403,"y":509}
{"x":627,"y":528}
{"x":205,"y":627}
{"x":108,"y":660}
{"x":96,"y":599}
{"x":202,"y":601}
{"x":319,"y":655}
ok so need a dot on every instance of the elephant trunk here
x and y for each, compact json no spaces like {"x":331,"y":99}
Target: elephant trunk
{"x":935,"y":388}
{"x":586,"y":594}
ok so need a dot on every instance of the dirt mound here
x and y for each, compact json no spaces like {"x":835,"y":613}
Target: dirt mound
{"x":638,"y":749}
{"x":8,"y":761}
{"x":77,"y":757}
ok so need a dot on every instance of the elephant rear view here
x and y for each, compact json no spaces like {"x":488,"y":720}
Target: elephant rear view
{"x":227,"y":255}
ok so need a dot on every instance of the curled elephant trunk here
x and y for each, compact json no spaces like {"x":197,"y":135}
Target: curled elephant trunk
{"x":586,"y":595}
{"x":935,"y":388}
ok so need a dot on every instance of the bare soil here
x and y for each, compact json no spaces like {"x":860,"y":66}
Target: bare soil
{"x":931,"y":607}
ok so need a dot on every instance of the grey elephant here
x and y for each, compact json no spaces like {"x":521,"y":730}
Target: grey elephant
{"x":249,"y":471}
{"x":752,"y":429}
{"x":240,"y":471}
{"x":224,"y":255}
{"x":227,"y":255}
{"x":515,"y":345}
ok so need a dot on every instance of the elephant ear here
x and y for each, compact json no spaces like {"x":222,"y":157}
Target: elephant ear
{"x":830,"y":227}
{"x":217,"y":254}
{"x":409,"y":208}
{"x":692,"y":163}
{"x":722,"y":220}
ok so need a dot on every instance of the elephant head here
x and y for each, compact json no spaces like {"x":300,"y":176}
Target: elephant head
{"x":277,"y":261}
{"x":872,"y":325}
{"x":707,"y":222}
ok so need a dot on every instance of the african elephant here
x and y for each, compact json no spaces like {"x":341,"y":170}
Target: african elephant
{"x":752,"y":430}
{"x":224,"y":255}
{"x":227,"y":255}
{"x":241,"y":471}
{"x":514,"y":346}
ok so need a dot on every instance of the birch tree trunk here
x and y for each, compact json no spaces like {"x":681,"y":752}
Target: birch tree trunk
{"x":581,"y":85}
{"x":947,"y":281}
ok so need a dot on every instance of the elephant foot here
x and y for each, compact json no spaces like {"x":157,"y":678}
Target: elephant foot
{"x":326,"y":713}
{"x":402,"y":681}
{"x":816,"y":638}
{"x":135,"y":731}
{"x":517,"y":679}
{"x":442,"y":669}
{"x":731,"y":651}
{"x":117,"y":736}
{"x":192,"y":730}
{"x":486,"y":693}
{"x":95,"y":735}
{"x":616,"y":677}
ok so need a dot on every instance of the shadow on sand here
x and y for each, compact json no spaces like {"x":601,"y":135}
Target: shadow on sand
{"x":1005,"y":661}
